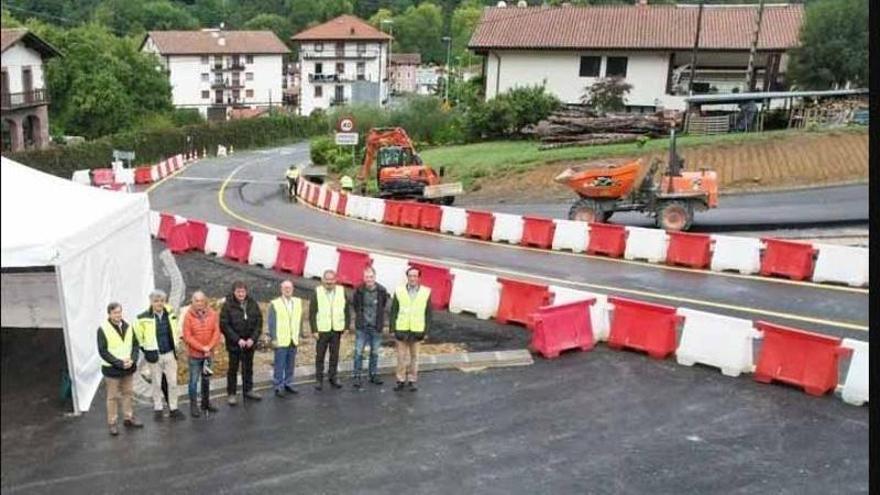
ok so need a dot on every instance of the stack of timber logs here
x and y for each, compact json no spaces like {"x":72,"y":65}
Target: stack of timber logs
{"x":569,"y":127}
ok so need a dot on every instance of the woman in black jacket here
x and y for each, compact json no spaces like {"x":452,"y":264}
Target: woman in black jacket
{"x":241,"y":322}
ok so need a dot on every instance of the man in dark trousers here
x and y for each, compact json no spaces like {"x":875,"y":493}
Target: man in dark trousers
{"x":329,"y":317}
{"x":370,"y":302}
{"x":241,"y":322}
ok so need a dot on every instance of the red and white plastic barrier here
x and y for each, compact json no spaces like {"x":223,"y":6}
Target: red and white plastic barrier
{"x":842,"y":264}
{"x":645,"y":244}
{"x":571,"y":235}
{"x":716,"y":340}
{"x":264,"y":250}
{"x":741,"y":254}
{"x":454,"y":220}
{"x":476,"y":293}
{"x":508,"y":228}
{"x":122,"y":179}
{"x":855,"y":387}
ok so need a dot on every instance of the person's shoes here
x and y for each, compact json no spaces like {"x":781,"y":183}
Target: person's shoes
{"x":176,"y":415}
{"x":398,"y":387}
{"x":375,"y":380}
{"x":335,"y":384}
{"x":231,"y":400}
{"x":157,"y":415}
{"x":412,"y":387}
{"x":210,"y":408}
{"x":252,"y":396}
{"x":194,"y":410}
{"x":280,"y":394}
{"x":319,"y":385}
{"x":114,"y":430}
{"x":290,"y":390}
{"x":133,"y":423}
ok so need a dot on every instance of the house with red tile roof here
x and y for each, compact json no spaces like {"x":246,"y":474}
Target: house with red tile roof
{"x":216,"y":71}
{"x":343,"y":61}
{"x":567,"y":48}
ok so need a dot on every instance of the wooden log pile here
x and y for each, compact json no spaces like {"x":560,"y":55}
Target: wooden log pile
{"x":570,"y":127}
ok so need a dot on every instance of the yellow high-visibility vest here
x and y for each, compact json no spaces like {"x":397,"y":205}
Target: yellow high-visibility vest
{"x":292,"y":173}
{"x":145,"y":326}
{"x":411,"y":312}
{"x":330,"y":316}
{"x":119,"y":347}
{"x":287,"y":323}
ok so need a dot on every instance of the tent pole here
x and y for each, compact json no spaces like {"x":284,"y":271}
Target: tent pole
{"x":65,"y":330}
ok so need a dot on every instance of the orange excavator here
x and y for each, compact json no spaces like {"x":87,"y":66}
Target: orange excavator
{"x":400,"y":172}
{"x":631,"y":186}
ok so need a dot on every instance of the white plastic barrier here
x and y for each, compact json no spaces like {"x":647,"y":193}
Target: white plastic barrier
{"x":390,"y":270}
{"x":264,"y":249}
{"x":322,"y":195}
{"x":844,"y":264}
{"x":742,"y":254}
{"x":154,"y":174}
{"x":716,"y":340}
{"x":320,"y":257}
{"x":301,"y":187}
{"x":571,"y":235}
{"x":334,"y":201}
{"x":82,"y":177}
{"x":125,"y":176}
{"x":217,"y":239}
{"x":855,"y":387}
{"x":163,"y":169}
{"x":507,"y":228}
{"x":598,"y":311}
{"x":454,"y":220}
{"x":476,"y":293}
{"x":221,"y":150}
{"x":375,"y":209}
{"x":646,"y":244}
{"x":356,"y":207}
{"x":155,"y":220}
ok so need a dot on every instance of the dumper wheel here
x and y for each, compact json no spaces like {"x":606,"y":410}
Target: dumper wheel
{"x":675,"y":215}
{"x":587,"y":210}
{"x":447,"y":200}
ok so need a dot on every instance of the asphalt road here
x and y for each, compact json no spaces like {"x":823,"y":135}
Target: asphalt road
{"x":253,"y":199}
{"x":820,"y":207}
{"x":594,"y":422}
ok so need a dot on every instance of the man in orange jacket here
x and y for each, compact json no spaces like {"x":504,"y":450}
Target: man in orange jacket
{"x":201,"y":332}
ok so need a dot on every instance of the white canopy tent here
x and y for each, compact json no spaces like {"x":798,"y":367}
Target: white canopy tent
{"x":67,"y":251}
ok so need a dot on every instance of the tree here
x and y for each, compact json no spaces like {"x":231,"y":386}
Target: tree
{"x":420,"y":30}
{"x":606,"y":94}
{"x":125,"y":16}
{"x":271,"y":22}
{"x":464,"y":20}
{"x":834,"y":45}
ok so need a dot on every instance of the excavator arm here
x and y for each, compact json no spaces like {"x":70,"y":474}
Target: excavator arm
{"x":378,"y":138}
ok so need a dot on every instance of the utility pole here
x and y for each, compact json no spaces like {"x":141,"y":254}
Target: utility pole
{"x":694,"y":52}
{"x":448,"y":42}
{"x":390,"y":22}
{"x":750,"y":72}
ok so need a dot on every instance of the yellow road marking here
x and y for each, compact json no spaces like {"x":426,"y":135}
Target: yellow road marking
{"x":745,"y":309}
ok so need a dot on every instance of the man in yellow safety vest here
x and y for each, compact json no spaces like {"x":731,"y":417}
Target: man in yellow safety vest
{"x":346,"y":183}
{"x":410,"y":320}
{"x":292,"y":178}
{"x":285,"y":323}
{"x":329,"y":317}
{"x":158,"y":332}
{"x":118,"y":348}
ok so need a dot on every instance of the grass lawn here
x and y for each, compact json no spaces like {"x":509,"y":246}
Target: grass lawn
{"x":469,"y":162}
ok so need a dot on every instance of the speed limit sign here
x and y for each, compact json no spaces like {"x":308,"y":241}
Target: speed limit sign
{"x":345,"y":124}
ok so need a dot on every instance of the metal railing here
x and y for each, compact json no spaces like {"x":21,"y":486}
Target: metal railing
{"x":11,"y":101}
{"x":335,"y":102}
{"x":347,"y":54}
{"x":219,"y":68}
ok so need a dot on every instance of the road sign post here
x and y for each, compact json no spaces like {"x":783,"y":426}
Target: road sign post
{"x":346,"y":136}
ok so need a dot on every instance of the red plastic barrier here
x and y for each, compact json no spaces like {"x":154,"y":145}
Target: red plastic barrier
{"x":392,"y":212}
{"x":340,"y":205}
{"x":693,"y":250}
{"x":178,"y":240}
{"x":439,"y":279}
{"x":479,"y":224}
{"x":313,"y":195}
{"x":166,"y":223}
{"x":538,"y":232}
{"x":788,"y":259}
{"x":432,"y":215}
{"x":350,"y":267}
{"x":520,"y":299}
{"x":410,"y":214}
{"x":291,"y":255}
{"x":198,"y":234}
{"x":797,"y":357}
{"x":142,"y":175}
{"x":559,"y":328}
{"x":643,"y":326}
{"x":103,"y":177}
{"x":607,"y":239}
{"x":238,"y":247}
{"x":327,"y":198}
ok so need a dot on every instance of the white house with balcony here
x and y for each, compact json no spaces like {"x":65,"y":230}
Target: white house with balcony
{"x":216,"y":71}
{"x":649,"y":46}
{"x":343,"y":61}
{"x":24,"y":99}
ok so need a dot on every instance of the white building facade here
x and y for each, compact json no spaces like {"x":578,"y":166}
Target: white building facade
{"x":224,"y":70}
{"x":342,"y":62}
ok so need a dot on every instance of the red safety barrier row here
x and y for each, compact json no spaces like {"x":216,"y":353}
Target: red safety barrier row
{"x":105,"y":178}
{"x":780,"y":258}
{"x":788,"y":355}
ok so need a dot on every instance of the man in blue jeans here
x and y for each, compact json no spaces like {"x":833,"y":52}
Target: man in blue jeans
{"x":285,"y":323}
{"x":369,"y":302}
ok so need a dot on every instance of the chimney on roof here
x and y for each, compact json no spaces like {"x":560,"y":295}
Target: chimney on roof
{"x":221,"y":41}
{"x":351,"y":30}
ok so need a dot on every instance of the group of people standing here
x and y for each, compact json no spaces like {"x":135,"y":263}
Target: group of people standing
{"x":157,"y":332}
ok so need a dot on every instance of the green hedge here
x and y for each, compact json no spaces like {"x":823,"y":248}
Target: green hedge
{"x":156,"y":145}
